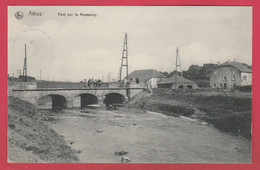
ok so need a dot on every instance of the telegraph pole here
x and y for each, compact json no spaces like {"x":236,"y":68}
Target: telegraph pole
{"x":124,"y":61}
{"x":40,"y":74}
{"x":25,"y":65}
{"x":178,"y":64}
{"x":108,"y":78}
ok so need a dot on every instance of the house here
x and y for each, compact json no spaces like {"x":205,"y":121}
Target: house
{"x":229,"y":75}
{"x":146,"y":78}
{"x":180,"y":81}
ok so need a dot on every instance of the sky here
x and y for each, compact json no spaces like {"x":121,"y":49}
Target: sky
{"x":73,"y":48}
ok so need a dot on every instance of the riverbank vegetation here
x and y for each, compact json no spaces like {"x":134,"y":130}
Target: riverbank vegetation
{"x":230,"y":112}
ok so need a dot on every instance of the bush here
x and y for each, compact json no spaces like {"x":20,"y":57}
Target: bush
{"x":236,"y":123}
{"x":203,"y":83}
{"x":244,"y":88}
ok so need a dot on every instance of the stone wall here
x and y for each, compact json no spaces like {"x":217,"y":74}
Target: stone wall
{"x":21,"y":85}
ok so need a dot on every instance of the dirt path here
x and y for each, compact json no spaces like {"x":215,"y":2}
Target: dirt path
{"x":147,"y":137}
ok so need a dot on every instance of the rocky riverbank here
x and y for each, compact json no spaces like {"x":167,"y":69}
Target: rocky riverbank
{"x":30,"y":140}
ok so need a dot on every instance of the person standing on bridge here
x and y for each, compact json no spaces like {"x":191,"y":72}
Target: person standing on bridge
{"x":89,"y":83}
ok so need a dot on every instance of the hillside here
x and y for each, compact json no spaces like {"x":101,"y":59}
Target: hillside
{"x":30,"y":140}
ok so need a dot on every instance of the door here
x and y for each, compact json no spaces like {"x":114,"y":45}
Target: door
{"x":225,"y":85}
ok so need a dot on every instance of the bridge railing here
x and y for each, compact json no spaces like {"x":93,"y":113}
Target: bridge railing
{"x":68,"y":89}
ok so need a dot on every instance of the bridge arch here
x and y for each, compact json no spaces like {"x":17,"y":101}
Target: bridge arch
{"x":112,"y":98}
{"x":87,"y":99}
{"x":58,"y":101}
{"x":122,"y":92}
{"x":189,"y":86}
{"x":44,"y":102}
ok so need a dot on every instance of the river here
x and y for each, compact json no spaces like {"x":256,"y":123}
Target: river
{"x":148,"y":137}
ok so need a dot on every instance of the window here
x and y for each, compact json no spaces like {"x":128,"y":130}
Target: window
{"x":224,"y":78}
{"x":244,"y":78}
{"x":180,"y":86}
{"x":221,"y":85}
{"x":233,"y":75}
{"x":214,"y":85}
{"x":225,"y":85}
{"x":137,"y":81}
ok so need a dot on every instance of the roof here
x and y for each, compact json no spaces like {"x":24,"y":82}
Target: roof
{"x":238,"y":66}
{"x":179,"y":79}
{"x":145,"y":75}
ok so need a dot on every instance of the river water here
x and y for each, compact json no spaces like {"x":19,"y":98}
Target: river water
{"x":148,"y":137}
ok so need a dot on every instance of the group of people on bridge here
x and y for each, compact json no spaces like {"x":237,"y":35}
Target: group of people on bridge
{"x":92,"y":83}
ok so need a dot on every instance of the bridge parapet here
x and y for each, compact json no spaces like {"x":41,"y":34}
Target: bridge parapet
{"x":21,"y":86}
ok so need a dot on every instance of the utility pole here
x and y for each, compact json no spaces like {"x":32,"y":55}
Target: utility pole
{"x":25,"y":65}
{"x":178,"y":64}
{"x":124,"y":61}
{"x":119,"y":74}
{"x":40,"y":75}
{"x":108,"y":78}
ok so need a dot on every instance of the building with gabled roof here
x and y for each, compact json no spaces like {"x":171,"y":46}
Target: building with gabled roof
{"x":146,"y":78}
{"x":239,"y":66}
{"x":180,"y":82}
{"x":230,"y":74}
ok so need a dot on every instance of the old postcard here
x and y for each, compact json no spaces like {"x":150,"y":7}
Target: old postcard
{"x":129,"y":84}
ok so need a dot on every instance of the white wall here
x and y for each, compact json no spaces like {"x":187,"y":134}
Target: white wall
{"x":246,"y":79}
{"x":153,"y":82}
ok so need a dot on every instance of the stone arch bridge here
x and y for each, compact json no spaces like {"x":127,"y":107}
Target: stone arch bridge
{"x":62,"y":97}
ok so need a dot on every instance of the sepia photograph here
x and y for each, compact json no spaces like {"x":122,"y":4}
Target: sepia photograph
{"x":129,"y":84}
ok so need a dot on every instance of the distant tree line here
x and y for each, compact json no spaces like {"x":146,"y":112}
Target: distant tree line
{"x":198,"y":74}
